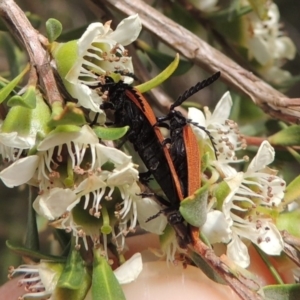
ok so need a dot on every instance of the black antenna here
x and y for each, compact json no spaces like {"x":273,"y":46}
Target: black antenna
{"x":194,"y":89}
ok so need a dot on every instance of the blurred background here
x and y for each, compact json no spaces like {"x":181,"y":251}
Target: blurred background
{"x":75,"y":16}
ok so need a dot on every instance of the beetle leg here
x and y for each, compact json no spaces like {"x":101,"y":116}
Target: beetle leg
{"x":145,"y":177}
{"x":166,"y":141}
{"x":208,"y":134}
{"x":107,"y":105}
{"x":95,"y":120}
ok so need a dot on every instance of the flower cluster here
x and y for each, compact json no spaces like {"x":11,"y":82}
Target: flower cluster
{"x":254,"y":30}
{"x":100,"y":52}
{"x":92,"y":190}
{"x":240,"y":214}
{"x":84,"y":186}
{"x":83,"y":178}
{"x":268,"y":44}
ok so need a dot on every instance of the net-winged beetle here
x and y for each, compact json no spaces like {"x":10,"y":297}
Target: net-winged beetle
{"x":184,"y":146}
{"x":132,"y":109}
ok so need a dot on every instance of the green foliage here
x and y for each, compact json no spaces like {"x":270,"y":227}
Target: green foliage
{"x":105,"y":286}
{"x":161,"y":77}
{"x":28,"y":99}
{"x":193,"y":208}
{"x":4,"y":92}
{"x":289,"y":221}
{"x":282,"y":292}
{"x":54,"y":29}
{"x":110,"y":134}
{"x":292,"y":192}
{"x":28,"y":121}
{"x":35,"y":255}
{"x":221,"y":192}
{"x":69,"y":115}
{"x":73,"y":273}
{"x":289,"y":136}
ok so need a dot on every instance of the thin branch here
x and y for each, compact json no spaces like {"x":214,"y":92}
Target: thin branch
{"x":17,"y":22}
{"x":245,"y":287}
{"x":202,"y":54}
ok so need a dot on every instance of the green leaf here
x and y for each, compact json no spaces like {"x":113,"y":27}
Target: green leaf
{"x":282,"y":292}
{"x":28,"y":122}
{"x":32,"y":234}
{"x":161,"y":77}
{"x":4,"y":92}
{"x":65,"y":128}
{"x":162,"y":60}
{"x":221,"y":193}
{"x":110,"y":134}
{"x":65,"y":55}
{"x":74,"y":271}
{"x":289,"y":221}
{"x":206,"y":268}
{"x":105,"y":285}
{"x":193,"y":208}
{"x":23,"y":251}
{"x":54,"y":29}
{"x":62,"y":293}
{"x":27,"y":100}
{"x":292,"y":192}
{"x":69,"y":115}
{"x":289,"y":136}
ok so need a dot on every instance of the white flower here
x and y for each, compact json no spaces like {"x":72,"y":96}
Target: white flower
{"x":224,"y":132}
{"x":265,"y":40}
{"x":216,"y":228}
{"x":54,"y":203}
{"x":268,"y":44}
{"x":146,"y":208}
{"x":269,"y":186}
{"x":89,"y":184}
{"x":20,"y":172}
{"x":78,"y":154}
{"x":100,"y":52}
{"x":241,"y":217}
{"x":40,"y":280}
{"x":12,"y":145}
{"x":130,"y":270}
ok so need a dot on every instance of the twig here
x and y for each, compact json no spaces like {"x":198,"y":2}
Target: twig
{"x":202,"y":54}
{"x":18,"y":24}
{"x":246,"y":288}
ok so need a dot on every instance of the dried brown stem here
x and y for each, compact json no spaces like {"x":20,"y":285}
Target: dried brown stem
{"x":246,"y":288}
{"x":202,"y":54}
{"x":20,"y":27}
